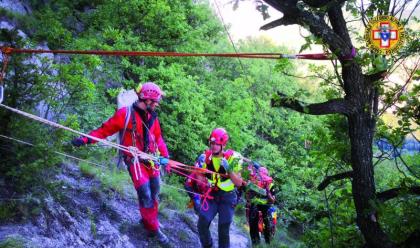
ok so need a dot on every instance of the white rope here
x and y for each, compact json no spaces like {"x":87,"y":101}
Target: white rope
{"x":136,"y":162}
{"x":62,"y":154}
{"x":192,"y":192}
{"x":133,"y":150}
{"x":70,"y":156}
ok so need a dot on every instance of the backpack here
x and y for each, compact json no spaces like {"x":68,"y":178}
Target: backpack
{"x":125,"y":98}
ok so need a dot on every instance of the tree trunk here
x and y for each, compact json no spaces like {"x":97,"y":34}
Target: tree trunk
{"x":361,"y":131}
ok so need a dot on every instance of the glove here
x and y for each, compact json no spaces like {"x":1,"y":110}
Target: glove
{"x":200,"y":161}
{"x":197,"y":204}
{"x":256,"y":165}
{"x":77,"y":142}
{"x":163,"y":161}
{"x":225,"y":165}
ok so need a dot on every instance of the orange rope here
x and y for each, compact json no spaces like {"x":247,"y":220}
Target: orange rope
{"x":188,"y":168}
{"x":170,"y":54}
{"x":205,"y":196}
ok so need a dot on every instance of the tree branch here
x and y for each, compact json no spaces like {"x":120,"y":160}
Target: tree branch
{"x":363,"y":13}
{"x":411,"y":13}
{"x":338,"y":23}
{"x":316,"y":3}
{"x":297,"y":76}
{"x":414,"y":136}
{"x":400,"y":91}
{"x":408,"y":167}
{"x":337,"y":74}
{"x":321,"y":3}
{"x":334,"y":106}
{"x":284,"y":21}
{"x":375,"y":76}
{"x":395,"y":192}
{"x":315,"y":23}
{"x":283,"y":5}
{"x":329,"y":179}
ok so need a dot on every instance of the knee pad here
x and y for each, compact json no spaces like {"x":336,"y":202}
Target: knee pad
{"x":144,"y":195}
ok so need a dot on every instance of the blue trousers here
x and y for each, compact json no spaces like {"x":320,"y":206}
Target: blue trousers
{"x":223,"y":204}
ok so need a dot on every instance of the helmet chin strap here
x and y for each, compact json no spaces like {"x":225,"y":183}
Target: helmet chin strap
{"x":149,"y":108}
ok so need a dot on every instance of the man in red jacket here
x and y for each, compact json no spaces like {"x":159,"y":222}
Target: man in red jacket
{"x":142,"y":130}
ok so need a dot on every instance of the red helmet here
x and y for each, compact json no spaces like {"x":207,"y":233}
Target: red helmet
{"x":219,"y":136}
{"x":150,"y":91}
{"x":263,"y":172}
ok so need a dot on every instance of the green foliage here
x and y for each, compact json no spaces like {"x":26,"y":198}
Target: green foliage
{"x":19,"y":209}
{"x":7,"y":211}
{"x":13,"y":242}
{"x":92,"y":220}
{"x":172,"y":197}
{"x":310,"y":40}
{"x":110,"y":179}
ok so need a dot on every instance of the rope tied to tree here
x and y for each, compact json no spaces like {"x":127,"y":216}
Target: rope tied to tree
{"x":315,"y":56}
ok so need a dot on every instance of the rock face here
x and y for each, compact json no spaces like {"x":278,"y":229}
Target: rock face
{"x":15,"y":6}
{"x":86,"y":216}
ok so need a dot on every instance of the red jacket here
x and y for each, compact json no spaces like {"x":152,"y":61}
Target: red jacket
{"x":116,"y":123}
